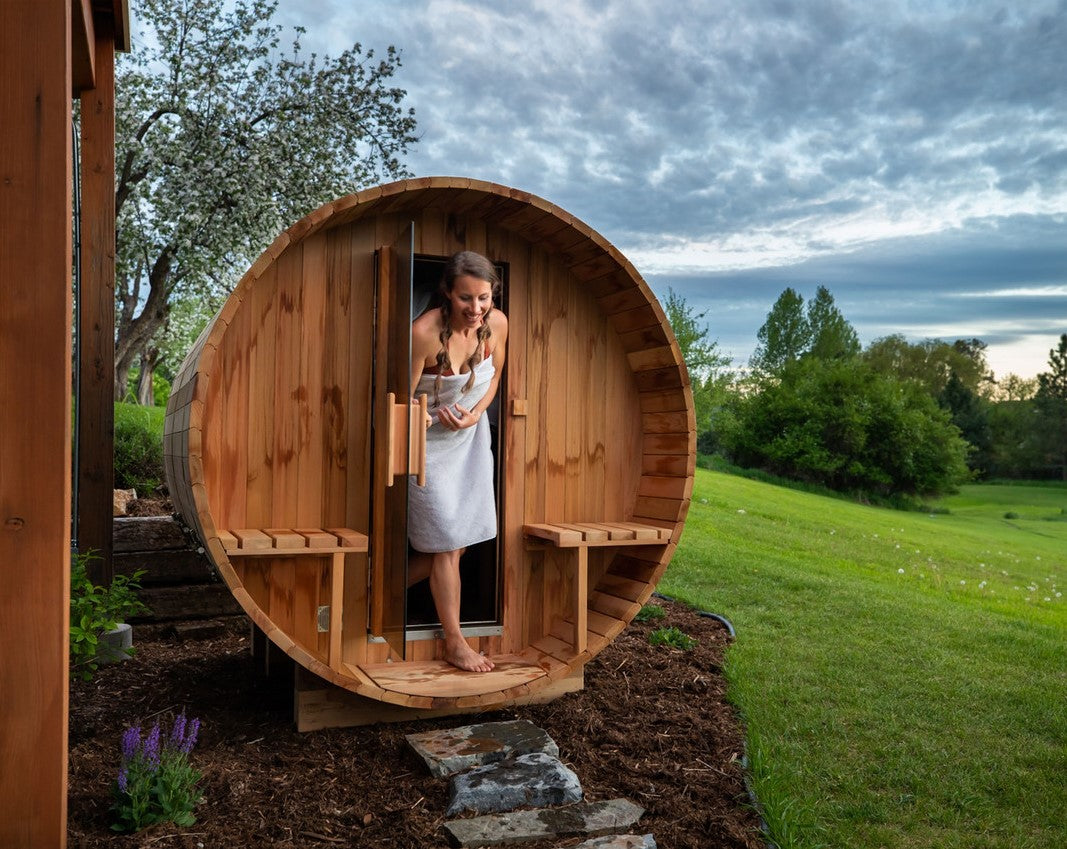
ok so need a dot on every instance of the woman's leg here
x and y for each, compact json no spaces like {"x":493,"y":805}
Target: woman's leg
{"x":445,"y":587}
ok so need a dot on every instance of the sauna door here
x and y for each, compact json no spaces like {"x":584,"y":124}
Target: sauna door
{"x":392,"y":399}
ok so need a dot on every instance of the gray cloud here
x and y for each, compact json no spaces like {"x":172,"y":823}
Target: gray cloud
{"x":896,"y":152}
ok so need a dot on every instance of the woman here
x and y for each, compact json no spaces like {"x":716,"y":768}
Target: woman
{"x":457,"y":507}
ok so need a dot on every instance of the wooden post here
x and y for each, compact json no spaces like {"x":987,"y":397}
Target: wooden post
{"x":35,"y":421}
{"x":96,"y":330}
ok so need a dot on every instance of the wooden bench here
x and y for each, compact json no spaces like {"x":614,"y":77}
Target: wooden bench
{"x":579,"y":537}
{"x":334,"y":543}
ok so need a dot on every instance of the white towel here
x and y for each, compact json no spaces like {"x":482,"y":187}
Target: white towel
{"x":457,"y":507}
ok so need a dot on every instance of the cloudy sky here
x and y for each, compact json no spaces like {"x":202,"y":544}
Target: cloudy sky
{"x":910,"y":156}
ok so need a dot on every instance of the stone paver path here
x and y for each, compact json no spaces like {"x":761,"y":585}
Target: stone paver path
{"x":498,"y":767}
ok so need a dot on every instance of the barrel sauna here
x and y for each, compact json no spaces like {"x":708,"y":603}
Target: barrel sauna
{"x":289,"y":442}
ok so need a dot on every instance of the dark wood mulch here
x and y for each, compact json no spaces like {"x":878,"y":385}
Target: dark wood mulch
{"x":651,"y":725}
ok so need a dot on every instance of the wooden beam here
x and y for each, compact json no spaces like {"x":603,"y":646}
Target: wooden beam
{"x":82,"y":47}
{"x":35,"y":420}
{"x":96,"y":326}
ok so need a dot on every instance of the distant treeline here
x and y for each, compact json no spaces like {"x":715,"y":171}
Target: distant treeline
{"x":894,"y":419}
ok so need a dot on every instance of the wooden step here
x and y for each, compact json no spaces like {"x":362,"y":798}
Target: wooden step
{"x":436,"y":678}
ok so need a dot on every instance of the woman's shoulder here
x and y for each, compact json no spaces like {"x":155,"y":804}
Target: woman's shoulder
{"x":427,"y":325}
{"x":498,"y":322}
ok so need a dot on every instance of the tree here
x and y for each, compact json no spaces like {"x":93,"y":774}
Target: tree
{"x":222,"y":141}
{"x":707,"y":365}
{"x":832,"y":337}
{"x":970,"y":413}
{"x":932,"y":362}
{"x":784,"y":337}
{"x":842,"y":424}
{"x":1012,"y":387}
{"x":1051,"y":404}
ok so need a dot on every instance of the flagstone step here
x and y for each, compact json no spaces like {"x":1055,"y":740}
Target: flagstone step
{"x":619,"y":841}
{"x":535,"y":780}
{"x":585,"y":819}
{"x":449,"y":751}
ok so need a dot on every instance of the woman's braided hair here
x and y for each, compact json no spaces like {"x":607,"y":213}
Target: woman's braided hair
{"x":463,"y":264}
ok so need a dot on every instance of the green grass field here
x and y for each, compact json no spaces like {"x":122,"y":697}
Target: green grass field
{"x":902,"y":676}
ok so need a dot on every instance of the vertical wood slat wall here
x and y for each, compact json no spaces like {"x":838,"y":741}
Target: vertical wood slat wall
{"x":607,"y":433}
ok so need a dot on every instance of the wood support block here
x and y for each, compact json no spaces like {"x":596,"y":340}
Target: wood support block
{"x":317,"y":538}
{"x":284,"y":539}
{"x":251,"y":539}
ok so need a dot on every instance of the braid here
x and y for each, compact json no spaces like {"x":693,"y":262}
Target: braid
{"x":484,"y":332}
{"x":444,"y":362}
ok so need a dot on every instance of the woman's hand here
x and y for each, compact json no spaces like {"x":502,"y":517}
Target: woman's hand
{"x":458,"y":420}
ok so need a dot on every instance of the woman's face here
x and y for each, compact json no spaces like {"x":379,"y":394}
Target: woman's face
{"x":471,"y":299}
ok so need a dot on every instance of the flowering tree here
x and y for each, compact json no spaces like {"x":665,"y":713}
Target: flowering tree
{"x":222,"y":140}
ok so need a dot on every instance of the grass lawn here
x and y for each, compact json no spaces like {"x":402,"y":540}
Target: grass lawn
{"x":903,"y":676}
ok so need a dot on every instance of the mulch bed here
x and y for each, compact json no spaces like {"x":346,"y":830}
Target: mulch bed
{"x":652,"y":725}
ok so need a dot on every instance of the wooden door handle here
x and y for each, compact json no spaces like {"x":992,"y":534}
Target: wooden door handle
{"x":417,"y":442}
{"x":406,"y":450}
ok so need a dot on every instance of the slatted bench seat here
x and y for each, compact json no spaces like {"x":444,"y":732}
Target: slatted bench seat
{"x":579,"y":537}
{"x":282,"y":542}
{"x":334,"y":543}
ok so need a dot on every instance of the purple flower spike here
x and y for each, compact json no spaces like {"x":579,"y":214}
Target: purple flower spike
{"x":177,"y":734}
{"x":151,"y":746}
{"x":123,"y":780}
{"x":190,"y":738}
{"x":131,"y":740}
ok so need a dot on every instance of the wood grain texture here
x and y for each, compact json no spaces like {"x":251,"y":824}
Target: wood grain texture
{"x":598,"y":435}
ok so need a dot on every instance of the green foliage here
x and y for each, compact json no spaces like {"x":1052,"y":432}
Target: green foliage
{"x":845,"y":426}
{"x":932,"y":362}
{"x":94,"y":610}
{"x":649,"y":612}
{"x":160,"y":387}
{"x":970,"y":413}
{"x":156,"y":783}
{"x":673,"y":637}
{"x":709,"y":377}
{"x":832,"y":337}
{"x":783,"y":337}
{"x":138,"y":447}
{"x":1050,"y":403}
{"x":223,"y":137}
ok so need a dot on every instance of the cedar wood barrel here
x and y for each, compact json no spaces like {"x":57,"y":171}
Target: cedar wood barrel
{"x":286,"y":453}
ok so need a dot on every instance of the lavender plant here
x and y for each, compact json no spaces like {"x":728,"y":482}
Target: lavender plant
{"x":156,"y":783}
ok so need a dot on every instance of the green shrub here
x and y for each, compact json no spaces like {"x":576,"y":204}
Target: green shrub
{"x":673,"y":637}
{"x":842,"y":425}
{"x":650,"y":612}
{"x":94,"y":610}
{"x":138,"y":447}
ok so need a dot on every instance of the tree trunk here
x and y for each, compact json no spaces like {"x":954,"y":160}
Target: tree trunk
{"x":149,"y":361}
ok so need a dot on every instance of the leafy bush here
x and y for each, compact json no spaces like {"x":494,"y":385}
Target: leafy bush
{"x":160,"y":387}
{"x":673,"y":636}
{"x":649,"y":612}
{"x":94,"y":610}
{"x":156,"y":782}
{"x":843,"y":425}
{"x":138,"y":447}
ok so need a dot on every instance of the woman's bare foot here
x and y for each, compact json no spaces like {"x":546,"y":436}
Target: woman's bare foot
{"x":462,"y":656}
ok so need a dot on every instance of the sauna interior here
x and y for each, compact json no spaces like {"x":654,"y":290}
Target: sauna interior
{"x":289,"y":442}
